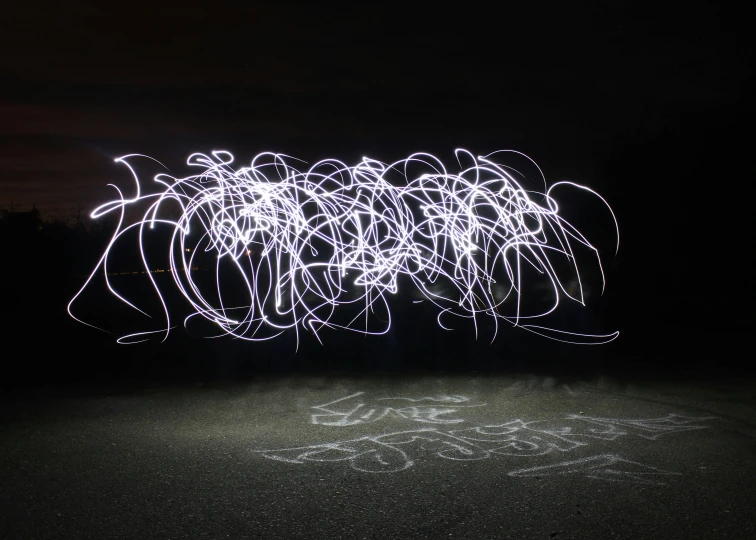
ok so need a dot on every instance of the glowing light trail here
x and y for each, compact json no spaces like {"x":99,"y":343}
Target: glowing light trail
{"x":295,"y":249}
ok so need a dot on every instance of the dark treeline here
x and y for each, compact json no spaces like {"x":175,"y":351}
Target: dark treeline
{"x":48,"y":260}
{"x":679,"y":292}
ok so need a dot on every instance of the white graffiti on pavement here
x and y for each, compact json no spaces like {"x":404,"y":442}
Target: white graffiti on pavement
{"x":393,"y":452}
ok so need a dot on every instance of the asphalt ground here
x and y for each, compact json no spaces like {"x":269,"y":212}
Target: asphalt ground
{"x":411,"y":456}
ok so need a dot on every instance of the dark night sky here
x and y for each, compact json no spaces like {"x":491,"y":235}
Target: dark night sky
{"x":566,"y":84}
{"x":650,"y":105}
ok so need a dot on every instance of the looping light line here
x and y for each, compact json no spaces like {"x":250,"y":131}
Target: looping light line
{"x":327,"y":246}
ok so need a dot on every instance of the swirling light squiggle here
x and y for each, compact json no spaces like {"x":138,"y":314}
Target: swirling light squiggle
{"x":296,"y":249}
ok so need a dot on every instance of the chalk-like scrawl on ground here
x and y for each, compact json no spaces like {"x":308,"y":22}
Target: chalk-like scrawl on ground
{"x":383,"y":453}
{"x":584,"y":428}
{"x":608,"y":467}
{"x":649,"y":428}
{"x":358,"y":409}
{"x":392,"y":452}
{"x":518,"y":438}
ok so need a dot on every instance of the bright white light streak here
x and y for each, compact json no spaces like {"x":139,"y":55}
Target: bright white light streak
{"x":302,"y":246}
